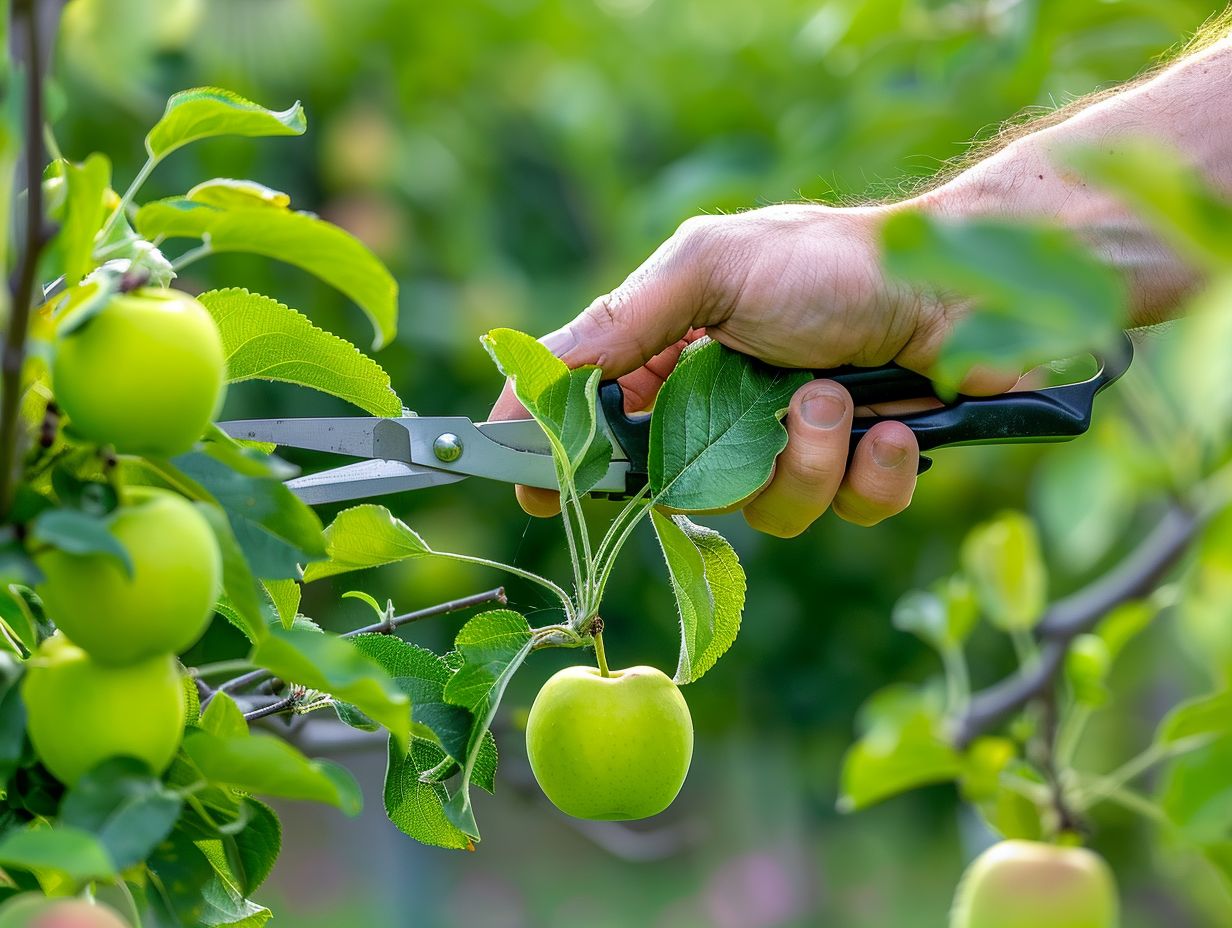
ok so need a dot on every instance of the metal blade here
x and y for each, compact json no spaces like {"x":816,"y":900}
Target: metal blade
{"x":355,"y":436}
{"x":527,"y":435}
{"x":521,"y":434}
{"x":473,"y":450}
{"x":367,"y":478}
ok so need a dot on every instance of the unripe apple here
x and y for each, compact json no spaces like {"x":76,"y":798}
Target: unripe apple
{"x":615,"y":747}
{"x":145,"y":374}
{"x":80,"y":712}
{"x":163,"y":608}
{"x":1026,"y":884}
{"x":30,"y":910}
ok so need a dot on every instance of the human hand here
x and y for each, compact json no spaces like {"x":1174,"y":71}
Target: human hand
{"x":796,"y":286}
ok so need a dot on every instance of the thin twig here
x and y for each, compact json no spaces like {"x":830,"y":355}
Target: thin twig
{"x":1133,"y":578}
{"x":1066,"y":819}
{"x":26,"y":20}
{"x":282,"y":705}
{"x":387,"y":627}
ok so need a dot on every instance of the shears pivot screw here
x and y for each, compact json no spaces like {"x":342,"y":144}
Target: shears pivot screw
{"x":447,"y":447}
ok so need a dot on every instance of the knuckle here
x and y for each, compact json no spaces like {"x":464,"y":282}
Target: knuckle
{"x":697,"y":226}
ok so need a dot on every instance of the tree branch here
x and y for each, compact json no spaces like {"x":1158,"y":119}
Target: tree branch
{"x":26,"y":16}
{"x":1136,"y":576}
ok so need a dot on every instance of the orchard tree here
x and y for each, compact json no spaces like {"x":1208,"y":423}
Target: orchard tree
{"x":133,"y":785}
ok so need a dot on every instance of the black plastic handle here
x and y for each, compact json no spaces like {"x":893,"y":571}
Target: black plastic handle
{"x":1052,"y":414}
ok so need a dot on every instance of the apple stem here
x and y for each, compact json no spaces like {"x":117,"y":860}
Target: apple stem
{"x":600,"y":656}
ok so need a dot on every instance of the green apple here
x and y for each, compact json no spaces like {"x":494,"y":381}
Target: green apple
{"x":615,"y":747}
{"x":145,"y":374}
{"x":80,"y":712}
{"x":165,"y":605}
{"x":31,"y":910}
{"x":1026,"y":884}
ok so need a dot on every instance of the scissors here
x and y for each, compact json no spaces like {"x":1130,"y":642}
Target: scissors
{"x":411,"y":452}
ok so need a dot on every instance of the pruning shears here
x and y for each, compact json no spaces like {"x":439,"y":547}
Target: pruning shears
{"x":411,"y":452}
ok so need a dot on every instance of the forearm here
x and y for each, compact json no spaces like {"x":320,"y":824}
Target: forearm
{"x":1187,"y":107}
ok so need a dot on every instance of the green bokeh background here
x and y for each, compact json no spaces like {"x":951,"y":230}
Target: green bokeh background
{"x":511,"y":159}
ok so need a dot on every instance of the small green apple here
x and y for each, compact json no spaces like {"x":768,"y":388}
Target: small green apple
{"x":615,"y":747}
{"x":165,"y":605}
{"x":80,"y":712}
{"x":145,"y":374}
{"x":31,"y":910}
{"x":1027,"y":884}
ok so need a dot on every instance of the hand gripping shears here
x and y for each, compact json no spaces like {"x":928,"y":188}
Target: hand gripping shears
{"x":410,"y":451}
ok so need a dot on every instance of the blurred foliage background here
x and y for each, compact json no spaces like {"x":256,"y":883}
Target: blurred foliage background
{"x":510,"y":159}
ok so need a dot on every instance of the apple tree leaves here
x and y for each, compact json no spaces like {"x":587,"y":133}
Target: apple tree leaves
{"x":716,"y":428}
{"x":206,"y":112}
{"x":561,"y":400}
{"x":709,"y":586}
{"x":492,"y":647}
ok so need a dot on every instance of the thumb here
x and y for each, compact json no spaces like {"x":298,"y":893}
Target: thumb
{"x":622,"y":330}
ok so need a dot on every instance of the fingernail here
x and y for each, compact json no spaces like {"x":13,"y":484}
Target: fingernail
{"x":823,"y":409}
{"x":887,"y":454}
{"x":560,"y":342}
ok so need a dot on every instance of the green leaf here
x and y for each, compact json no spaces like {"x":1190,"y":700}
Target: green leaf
{"x":226,"y":907}
{"x":238,"y":584}
{"x":285,"y":596}
{"x":709,"y":585}
{"x":71,"y":851}
{"x":84,"y":213}
{"x":1087,"y":663}
{"x":1191,"y":367}
{"x":129,"y":811}
{"x":484,"y":774}
{"x":265,"y":340}
{"x":1038,"y":293}
{"x":901,"y":748}
{"x":422,"y":676}
{"x":365,"y":536}
{"x":1206,"y":715}
{"x":76,"y":532}
{"x":715,"y":429}
{"x":561,"y":400}
{"x":244,"y":860}
{"x":81,"y":303}
{"x":16,"y":615}
{"x":1125,"y":622}
{"x":1197,"y":793}
{"x":12,"y":717}
{"x":301,"y":239}
{"x":418,"y":808}
{"x":334,"y":665}
{"x":179,"y":873}
{"x":1206,"y":590}
{"x":942,"y":616}
{"x":269,"y":766}
{"x":1167,"y":192}
{"x":1007,"y":812}
{"x":1085,"y":495}
{"x":223,"y":717}
{"x":228,"y":193}
{"x":492,"y":646}
{"x":274,"y":528}
{"x":1003,"y":561}
{"x":206,"y":112}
